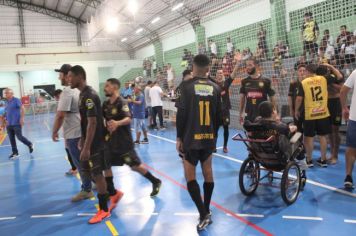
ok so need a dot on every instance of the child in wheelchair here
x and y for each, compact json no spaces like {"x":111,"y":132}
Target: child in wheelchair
{"x":287,"y":134}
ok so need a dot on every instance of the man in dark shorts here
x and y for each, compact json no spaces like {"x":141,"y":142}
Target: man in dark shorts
{"x":91,"y":142}
{"x":335,"y":78}
{"x":119,"y":145}
{"x":310,"y":33}
{"x":254,"y":90}
{"x":314,"y":94}
{"x":224,"y":83}
{"x":292,"y":96}
{"x":198,"y":117}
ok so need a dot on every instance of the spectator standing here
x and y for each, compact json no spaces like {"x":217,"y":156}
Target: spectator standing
{"x":262,"y":42}
{"x":310,"y":33}
{"x":213,"y":48}
{"x":138,"y":111}
{"x":350,"y":116}
{"x":15,"y":120}
{"x":156,"y":95}
{"x":170,"y":76}
{"x":148,"y":102}
{"x":229,"y":46}
{"x":201,"y":49}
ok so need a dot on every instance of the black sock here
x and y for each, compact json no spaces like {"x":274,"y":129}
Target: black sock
{"x":110,"y":185}
{"x":194,"y":191}
{"x":208,"y":192}
{"x":226,"y":135}
{"x":103,"y":201}
{"x":151,"y":178}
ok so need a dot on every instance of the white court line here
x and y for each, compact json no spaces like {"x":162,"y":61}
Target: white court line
{"x":21,"y":159}
{"x":219,"y":148}
{"x":350,"y":221}
{"x":302,"y":218}
{"x":47,"y":216}
{"x":140,"y":213}
{"x":247,"y":215}
{"x":38,"y":141}
{"x":85,"y":214}
{"x":8,"y":218}
{"x":186,"y":214}
{"x":239,"y":161}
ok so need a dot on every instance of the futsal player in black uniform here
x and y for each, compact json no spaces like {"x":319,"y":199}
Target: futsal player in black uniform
{"x":254,"y":90}
{"x":224,"y":83}
{"x":198,"y":116}
{"x":91,"y":143}
{"x":119,"y":145}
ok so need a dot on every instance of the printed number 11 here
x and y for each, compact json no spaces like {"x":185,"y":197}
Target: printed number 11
{"x":205,"y":121}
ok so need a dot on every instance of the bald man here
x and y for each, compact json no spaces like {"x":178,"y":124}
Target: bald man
{"x":14,"y":115}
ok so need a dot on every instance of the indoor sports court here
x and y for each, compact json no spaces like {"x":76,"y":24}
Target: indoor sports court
{"x":165,"y":117}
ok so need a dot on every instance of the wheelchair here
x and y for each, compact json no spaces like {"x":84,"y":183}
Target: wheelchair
{"x":266,"y":152}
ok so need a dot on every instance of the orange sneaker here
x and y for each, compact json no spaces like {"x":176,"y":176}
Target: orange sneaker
{"x":114,"y":200}
{"x":99,"y":217}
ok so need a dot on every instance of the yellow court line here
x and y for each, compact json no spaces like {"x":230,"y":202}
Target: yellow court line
{"x":112,"y":228}
{"x":108,"y":223}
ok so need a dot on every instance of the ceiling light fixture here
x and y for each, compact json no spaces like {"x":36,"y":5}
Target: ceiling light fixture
{"x":111,"y":24}
{"x":139,"y":30}
{"x":155,"y":20}
{"x":124,"y":39}
{"x":132,"y":6}
{"x":176,"y":7}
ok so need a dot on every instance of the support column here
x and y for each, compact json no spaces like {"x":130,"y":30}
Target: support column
{"x":79,"y":34}
{"x":158,"y":53}
{"x":278,"y":18}
{"x":200,"y":36}
{"x":21,"y":25}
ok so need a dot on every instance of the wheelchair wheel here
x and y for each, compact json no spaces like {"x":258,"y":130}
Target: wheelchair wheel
{"x":291,"y":183}
{"x":249,"y":176}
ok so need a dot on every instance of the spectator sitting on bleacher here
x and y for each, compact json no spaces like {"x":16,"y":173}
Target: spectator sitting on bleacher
{"x":213,"y":48}
{"x":282,"y":49}
{"x":302,"y":61}
{"x":327,"y":44}
{"x":237,"y":57}
{"x":277,"y":61}
{"x":348,"y":52}
{"x":262,"y":43}
{"x":322,"y":59}
{"x":343,"y":38}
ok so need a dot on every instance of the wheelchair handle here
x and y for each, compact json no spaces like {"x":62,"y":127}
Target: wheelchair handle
{"x":238,"y":137}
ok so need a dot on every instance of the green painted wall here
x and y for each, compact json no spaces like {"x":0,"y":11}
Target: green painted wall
{"x":174,"y":56}
{"x":131,"y":74}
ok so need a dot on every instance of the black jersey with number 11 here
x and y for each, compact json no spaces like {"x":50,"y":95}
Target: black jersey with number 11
{"x":200,"y":108}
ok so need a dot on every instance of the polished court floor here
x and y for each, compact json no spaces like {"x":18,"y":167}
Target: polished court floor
{"x":35,"y":195}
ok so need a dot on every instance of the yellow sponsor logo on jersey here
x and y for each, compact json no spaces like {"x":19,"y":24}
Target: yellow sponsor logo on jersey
{"x":204,"y":136}
{"x":89,"y":104}
{"x":114,"y":111}
{"x":126,"y":108}
{"x":203,"y":90}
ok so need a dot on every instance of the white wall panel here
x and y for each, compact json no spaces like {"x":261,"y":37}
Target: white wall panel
{"x":247,"y":13}
{"x":178,"y":38}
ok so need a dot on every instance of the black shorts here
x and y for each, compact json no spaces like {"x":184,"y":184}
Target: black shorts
{"x":308,"y":46}
{"x":226,"y":117}
{"x":114,"y":159}
{"x":335,"y":110}
{"x":194,"y":156}
{"x":317,"y":127}
{"x":95,"y":165}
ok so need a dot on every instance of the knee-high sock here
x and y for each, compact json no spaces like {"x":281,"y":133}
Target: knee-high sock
{"x":110,"y":185}
{"x":208,"y":192}
{"x":194,"y":191}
